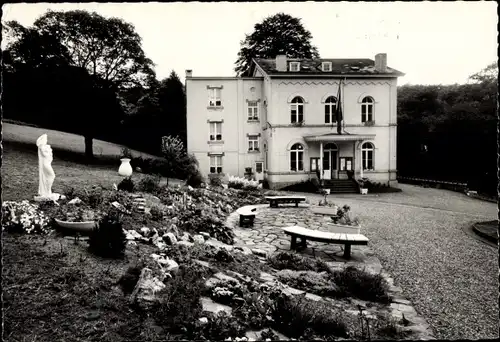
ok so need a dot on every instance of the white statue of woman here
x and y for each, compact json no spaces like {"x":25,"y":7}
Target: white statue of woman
{"x":45,"y":172}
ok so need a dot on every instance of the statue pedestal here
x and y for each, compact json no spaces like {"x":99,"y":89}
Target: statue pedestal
{"x":52,"y":197}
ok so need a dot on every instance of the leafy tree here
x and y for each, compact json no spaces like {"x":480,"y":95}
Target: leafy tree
{"x":276,"y":35}
{"x":449,"y":132}
{"x":32,"y":48}
{"x":487,"y":75}
{"x":107,"y":47}
{"x":108,"y":50}
{"x":173,"y":152}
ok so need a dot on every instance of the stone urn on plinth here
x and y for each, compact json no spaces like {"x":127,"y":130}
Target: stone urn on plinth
{"x":125,"y":168}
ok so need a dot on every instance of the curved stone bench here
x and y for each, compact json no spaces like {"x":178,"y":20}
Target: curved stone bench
{"x":321,"y":236}
{"x":247,"y":215}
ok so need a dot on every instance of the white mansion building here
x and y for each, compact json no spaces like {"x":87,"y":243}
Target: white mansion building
{"x":281,"y":122}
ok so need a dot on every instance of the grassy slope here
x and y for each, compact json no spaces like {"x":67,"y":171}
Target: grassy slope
{"x":61,"y":141}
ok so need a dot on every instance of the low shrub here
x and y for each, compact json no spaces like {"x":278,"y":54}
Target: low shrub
{"x":215,"y":181}
{"x":296,"y":262}
{"x":179,"y":306}
{"x":265,"y":184}
{"x":269,"y":335}
{"x":219,"y":327}
{"x":249,"y":265}
{"x":69,"y":192}
{"x":127,"y":184}
{"x":128,"y":281}
{"x":376,"y":187}
{"x":309,"y":186}
{"x":386,"y":327}
{"x":195,"y":180}
{"x":361,"y":284}
{"x":156,"y":213}
{"x":310,"y":281}
{"x":94,"y":197}
{"x":184,"y":254}
{"x":108,"y":238}
{"x":242,"y":183}
{"x":226,"y":291}
{"x":298,"y":317}
{"x":150,"y":184}
{"x":126,"y":153}
{"x":194,"y":222}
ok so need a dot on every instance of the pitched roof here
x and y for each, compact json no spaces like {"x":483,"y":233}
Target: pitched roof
{"x":349,"y":66}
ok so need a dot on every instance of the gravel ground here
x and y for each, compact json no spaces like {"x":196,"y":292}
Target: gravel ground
{"x":451,"y":277}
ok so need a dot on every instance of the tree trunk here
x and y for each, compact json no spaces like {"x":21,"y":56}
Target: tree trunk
{"x":89,"y":149}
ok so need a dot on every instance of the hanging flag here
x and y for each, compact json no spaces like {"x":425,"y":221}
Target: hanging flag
{"x":339,"y":109}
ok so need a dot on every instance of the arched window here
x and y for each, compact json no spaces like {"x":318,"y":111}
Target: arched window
{"x":367,"y":109}
{"x":330,"y":109}
{"x":297,"y":109}
{"x":367,"y":154}
{"x":297,"y":158}
{"x":330,"y":146}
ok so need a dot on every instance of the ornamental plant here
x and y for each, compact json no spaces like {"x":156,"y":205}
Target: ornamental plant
{"x":23,"y":217}
{"x":242,"y":183}
{"x":344,"y":217}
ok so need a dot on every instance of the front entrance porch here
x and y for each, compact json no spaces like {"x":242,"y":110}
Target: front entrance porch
{"x":334,"y":156}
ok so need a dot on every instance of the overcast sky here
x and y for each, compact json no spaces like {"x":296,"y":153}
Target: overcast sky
{"x":432,"y":42}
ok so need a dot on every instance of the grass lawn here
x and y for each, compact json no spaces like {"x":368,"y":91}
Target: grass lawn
{"x":56,"y":290}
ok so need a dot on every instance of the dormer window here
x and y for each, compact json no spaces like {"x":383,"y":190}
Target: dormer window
{"x":326,"y":66}
{"x":295,"y":66}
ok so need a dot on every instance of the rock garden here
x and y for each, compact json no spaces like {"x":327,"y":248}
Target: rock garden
{"x":162,"y":262}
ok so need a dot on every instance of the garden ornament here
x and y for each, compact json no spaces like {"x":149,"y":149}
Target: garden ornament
{"x":46,"y":173}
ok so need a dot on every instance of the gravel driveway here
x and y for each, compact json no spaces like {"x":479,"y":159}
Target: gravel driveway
{"x":451,"y":277}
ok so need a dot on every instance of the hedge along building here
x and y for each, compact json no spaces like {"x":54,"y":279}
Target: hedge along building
{"x":296,"y":116}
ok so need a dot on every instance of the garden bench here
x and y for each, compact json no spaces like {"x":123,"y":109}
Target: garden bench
{"x":315,"y":235}
{"x":274,"y":200}
{"x":247,"y":215}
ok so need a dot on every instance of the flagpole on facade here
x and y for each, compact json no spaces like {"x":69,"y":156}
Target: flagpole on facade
{"x":343,"y":122}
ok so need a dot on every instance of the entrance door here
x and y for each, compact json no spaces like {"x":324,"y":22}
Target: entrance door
{"x":259,"y":171}
{"x":330,"y":161}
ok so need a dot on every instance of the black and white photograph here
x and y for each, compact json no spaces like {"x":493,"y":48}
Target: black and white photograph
{"x":250,"y":171}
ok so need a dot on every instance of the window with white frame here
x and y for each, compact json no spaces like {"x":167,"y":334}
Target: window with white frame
{"x":215,"y":131}
{"x":297,"y":110}
{"x":330,"y":109}
{"x":253,"y":143}
{"x":295,"y":66}
{"x":253,"y":110}
{"x":367,"y":155}
{"x":214,"y":97}
{"x":297,"y":157}
{"x":326,"y":66}
{"x":367,"y":109}
{"x":215,"y":164}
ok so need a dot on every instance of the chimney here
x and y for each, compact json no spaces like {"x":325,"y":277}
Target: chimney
{"x":381,"y":62}
{"x":189,"y":73}
{"x":281,"y":63}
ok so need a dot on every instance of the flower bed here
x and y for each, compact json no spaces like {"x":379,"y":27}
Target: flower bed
{"x":24,"y":217}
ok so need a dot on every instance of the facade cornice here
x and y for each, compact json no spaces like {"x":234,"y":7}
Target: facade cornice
{"x":307,"y":82}
{"x":327,"y":125}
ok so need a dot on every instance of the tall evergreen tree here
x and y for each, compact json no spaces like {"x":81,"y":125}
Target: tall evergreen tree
{"x":275,"y":35}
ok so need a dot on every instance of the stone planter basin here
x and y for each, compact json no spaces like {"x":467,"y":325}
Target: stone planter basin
{"x":344,"y":229}
{"x":85,"y":227}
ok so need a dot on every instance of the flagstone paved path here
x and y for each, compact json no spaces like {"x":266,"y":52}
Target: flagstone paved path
{"x":420,"y":237}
